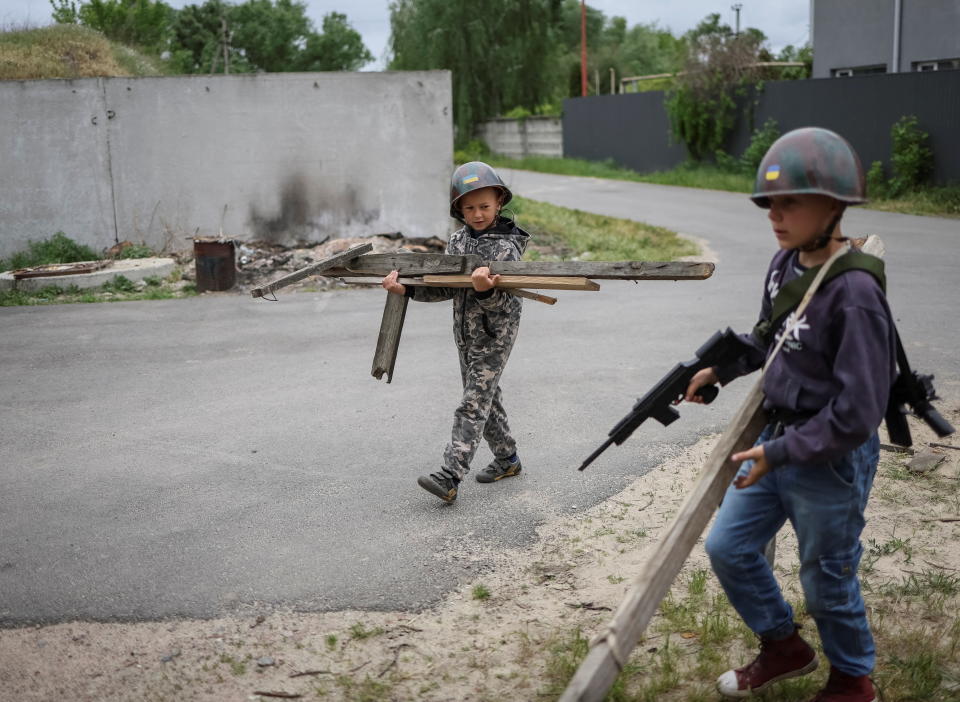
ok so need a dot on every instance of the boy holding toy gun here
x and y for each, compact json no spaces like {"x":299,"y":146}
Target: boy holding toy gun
{"x":826,"y":393}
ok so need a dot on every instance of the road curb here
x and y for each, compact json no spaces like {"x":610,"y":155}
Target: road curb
{"x":133,"y":269}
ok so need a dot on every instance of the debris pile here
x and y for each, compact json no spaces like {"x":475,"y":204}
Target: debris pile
{"x":259,"y":262}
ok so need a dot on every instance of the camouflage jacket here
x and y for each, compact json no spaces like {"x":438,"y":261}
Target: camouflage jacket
{"x":479,"y":317}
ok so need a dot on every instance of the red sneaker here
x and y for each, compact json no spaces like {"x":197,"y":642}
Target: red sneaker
{"x":778,"y":660}
{"x":846,"y":688}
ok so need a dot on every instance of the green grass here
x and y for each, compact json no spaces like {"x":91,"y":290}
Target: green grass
{"x":939,"y":201}
{"x":562,"y":233}
{"x":120,"y":289}
{"x":359,"y":632}
{"x":57,"y":249}
{"x":481,"y":592}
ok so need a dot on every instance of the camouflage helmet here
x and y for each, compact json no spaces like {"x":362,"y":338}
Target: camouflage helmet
{"x":810,"y":160}
{"x":474,"y":176}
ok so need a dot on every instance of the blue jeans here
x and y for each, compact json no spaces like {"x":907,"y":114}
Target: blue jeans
{"x":825,"y":504}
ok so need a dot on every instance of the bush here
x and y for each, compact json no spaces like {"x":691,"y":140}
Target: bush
{"x":760,"y":142}
{"x":911,"y":160}
{"x":120,"y":284}
{"x":876,"y":181}
{"x":57,"y":249}
{"x":136,"y":251}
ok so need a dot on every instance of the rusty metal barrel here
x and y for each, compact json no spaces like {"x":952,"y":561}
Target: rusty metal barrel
{"x":215,"y":264}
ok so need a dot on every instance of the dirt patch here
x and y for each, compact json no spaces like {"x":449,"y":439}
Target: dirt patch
{"x":509,"y":634}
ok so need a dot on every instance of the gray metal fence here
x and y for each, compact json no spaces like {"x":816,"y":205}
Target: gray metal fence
{"x":634,"y":130}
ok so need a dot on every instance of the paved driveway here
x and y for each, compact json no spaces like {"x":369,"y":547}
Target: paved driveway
{"x":196,"y":457}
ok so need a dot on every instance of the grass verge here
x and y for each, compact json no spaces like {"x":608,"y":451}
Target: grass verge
{"x":120,"y":289}
{"x":936,"y":201}
{"x":562,"y":233}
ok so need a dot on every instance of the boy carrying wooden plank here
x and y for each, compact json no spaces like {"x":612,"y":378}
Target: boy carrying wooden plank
{"x":485,"y":325}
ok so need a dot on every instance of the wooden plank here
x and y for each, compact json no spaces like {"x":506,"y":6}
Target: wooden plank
{"x":312,"y":269}
{"x":611,"y":649}
{"x":428,"y":264}
{"x":409,"y":264}
{"x":537,"y":282}
{"x":388,"y":341}
{"x":419,"y":281}
{"x":546,"y":299}
{"x":610,"y":270}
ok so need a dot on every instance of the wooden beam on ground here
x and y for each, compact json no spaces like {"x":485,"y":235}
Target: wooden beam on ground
{"x":313,"y":269}
{"x":611,"y":648}
{"x":611,"y":270}
{"x":536,"y":282}
{"x":388,"y":341}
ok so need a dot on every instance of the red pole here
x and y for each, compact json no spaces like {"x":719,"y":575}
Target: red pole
{"x":583,"y":48}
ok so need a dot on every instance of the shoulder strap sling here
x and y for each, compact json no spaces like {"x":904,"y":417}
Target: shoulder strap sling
{"x":790,"y":294}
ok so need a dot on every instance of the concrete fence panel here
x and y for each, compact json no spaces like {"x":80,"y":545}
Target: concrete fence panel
{"x":531,"y":136}
{"x":273,"y":157}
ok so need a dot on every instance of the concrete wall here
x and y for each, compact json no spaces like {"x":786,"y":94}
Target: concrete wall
{"x":532,"y":136}
{"x":277,"y":157}
{"x":855,"y":33}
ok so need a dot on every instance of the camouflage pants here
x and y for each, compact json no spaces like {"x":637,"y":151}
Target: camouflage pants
{"x":481,"y":411}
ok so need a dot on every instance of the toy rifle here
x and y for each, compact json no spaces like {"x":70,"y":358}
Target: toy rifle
{"x":720,"y":349}
{"x":916,"y":390}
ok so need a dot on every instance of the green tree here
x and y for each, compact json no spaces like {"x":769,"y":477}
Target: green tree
{"x":338,"y":48}
{"x":718,"y":65}
{"x":262,"y":35}
{"x":502,"y":53}
{"x":142,"y":23}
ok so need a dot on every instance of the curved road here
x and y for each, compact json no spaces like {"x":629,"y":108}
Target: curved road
{"x":197,"y":457}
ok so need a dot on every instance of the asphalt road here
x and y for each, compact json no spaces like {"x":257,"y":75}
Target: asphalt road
{"x":219,"y":454}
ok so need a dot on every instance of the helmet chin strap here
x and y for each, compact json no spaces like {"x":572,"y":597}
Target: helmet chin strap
{"x":826,"y":237}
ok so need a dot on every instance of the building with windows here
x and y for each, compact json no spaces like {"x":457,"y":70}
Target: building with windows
{"x":856,"y":37}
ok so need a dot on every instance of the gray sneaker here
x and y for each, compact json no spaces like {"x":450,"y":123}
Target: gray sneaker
{"x":499,"y":469}
{"x":441,"y":484}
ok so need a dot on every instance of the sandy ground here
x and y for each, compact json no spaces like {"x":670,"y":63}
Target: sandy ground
{"x":465,"y":648}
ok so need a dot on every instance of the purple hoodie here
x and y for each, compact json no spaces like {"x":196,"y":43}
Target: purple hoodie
{"x":837,"y":364}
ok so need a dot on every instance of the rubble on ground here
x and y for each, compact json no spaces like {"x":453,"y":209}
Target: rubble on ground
{"x":259,"y":262}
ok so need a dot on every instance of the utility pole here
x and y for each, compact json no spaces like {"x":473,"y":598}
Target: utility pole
{"x":736,"y":8}
{"x":583,"y":48}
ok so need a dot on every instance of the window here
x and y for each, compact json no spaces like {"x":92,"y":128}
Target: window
{"x":858,"y":70}
{"x":936,"y":65}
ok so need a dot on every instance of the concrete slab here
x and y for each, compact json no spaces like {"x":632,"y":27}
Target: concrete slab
{"x":131,"y":268}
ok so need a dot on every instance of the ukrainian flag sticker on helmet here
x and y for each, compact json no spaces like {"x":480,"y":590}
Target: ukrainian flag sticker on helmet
{"x":471,"y":179}
{"x":773,"y":172}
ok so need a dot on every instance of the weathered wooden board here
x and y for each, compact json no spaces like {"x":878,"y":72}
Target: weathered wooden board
{"x":611,"y":270}
{"x":546,"y":299}
{"x":312,"y":269}
{"x":388,"y":341}
{"x":536,"y":282}
{"x":428,"y":264}
{"x":408,"y":264}
{"x":611,"y":649}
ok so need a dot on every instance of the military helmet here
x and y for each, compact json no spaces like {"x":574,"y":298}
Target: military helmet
{"x":473,"y":176}
{"x":810,"y":160}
